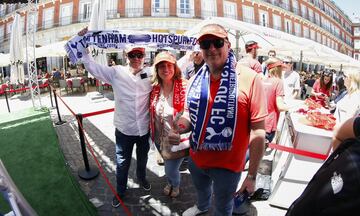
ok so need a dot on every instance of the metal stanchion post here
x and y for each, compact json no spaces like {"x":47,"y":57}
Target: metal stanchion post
{"x":52,"y":105}
{"x":89,"y":172}
{"x":60,"y":122}
{"x":7,"y":102}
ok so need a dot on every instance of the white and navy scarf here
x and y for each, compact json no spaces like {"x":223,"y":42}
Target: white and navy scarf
{"x":76,"y":47}
{"x":221,"y":126}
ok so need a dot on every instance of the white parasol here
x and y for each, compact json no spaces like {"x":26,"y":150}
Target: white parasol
{"x":16,"y":52}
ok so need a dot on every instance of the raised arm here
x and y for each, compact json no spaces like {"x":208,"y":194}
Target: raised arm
{"x":101,"y":72}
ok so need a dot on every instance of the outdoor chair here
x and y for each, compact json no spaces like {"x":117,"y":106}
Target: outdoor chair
{"x":56,"y":82}
{"x":63,"y":84}
{"x":76,"y":83}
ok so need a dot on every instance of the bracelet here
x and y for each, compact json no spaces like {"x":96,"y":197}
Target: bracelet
{"x":251,"y":177}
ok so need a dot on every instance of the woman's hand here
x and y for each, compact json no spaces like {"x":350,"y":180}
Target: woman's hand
{"x":174,"y":137}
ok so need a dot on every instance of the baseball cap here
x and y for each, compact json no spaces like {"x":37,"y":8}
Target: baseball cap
{"x":164,"y":56}
{"x":214,"y":30}
{"x":135,"y":49}
{"x":275,"y":64}
{"x":251,"y":45}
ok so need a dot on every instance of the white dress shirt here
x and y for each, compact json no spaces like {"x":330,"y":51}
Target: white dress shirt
{"x":291,"y":83}
{"x":131,"y":93}
{"x":347,"y":107}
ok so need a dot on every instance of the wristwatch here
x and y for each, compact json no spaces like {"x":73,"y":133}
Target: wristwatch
{"x":251,"y":177}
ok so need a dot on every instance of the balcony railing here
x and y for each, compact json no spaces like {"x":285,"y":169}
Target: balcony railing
{"x":84,"y":17}
{"x":2,"y":12}
{"x":46,"y":24}
{"x":111,"y":14}
{"x":277,"y":27}
{"x":160,"y":12}
{"x":233,"y":16}
{"x":65,"y":20}
{"x":206,"y":14}
{"x":249,"y":20}
{"x":133,"y":12}
{"x":295,"y":11}
{"x":185,"y":12}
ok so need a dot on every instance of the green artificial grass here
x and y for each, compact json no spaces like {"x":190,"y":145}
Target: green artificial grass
{"x":30,"y":152}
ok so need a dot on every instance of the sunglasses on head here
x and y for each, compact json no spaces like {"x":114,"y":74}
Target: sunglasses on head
{"x":327,"y":73}
{"x":137,"y":55}
{"x":287,"y":62}
{"x":218,"y":43}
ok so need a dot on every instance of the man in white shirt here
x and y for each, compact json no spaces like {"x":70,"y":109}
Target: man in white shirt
{"x":291,"y":80}
{"x":132,"y":86}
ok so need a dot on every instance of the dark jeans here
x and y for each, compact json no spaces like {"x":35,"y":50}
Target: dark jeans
{"x":222,"y":182}
{"x":270,"y":136}
{"x":124,"y":148}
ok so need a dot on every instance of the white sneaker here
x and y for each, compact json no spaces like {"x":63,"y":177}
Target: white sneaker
{"x":193,"y":211}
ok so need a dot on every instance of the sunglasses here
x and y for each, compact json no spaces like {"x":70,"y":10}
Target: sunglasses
{"x":218,"y":43}
{"x":137,"y":55}
{"x":287,"y":62}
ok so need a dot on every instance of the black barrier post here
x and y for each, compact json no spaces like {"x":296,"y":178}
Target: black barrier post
{"x":52,"y":105}
{"x":7,"y":102}
{"x":60,"y":122}
{"x":89,"y":172}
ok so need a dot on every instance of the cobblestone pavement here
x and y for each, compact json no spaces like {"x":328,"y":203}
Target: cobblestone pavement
{"x":138,"y":201}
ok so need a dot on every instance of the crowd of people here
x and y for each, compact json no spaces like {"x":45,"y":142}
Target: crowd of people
{"x":211,"y":111}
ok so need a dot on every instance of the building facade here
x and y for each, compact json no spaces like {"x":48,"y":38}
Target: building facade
{"x":356,"y":33}
{"x":318,"y":20}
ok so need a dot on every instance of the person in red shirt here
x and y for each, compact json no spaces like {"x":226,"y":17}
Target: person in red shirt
{"x":250,"y":60}
{"x":222,"y":111}
{"x":322,"y":88}
{"x":274,"y":89}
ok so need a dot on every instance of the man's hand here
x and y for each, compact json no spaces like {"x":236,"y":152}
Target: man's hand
{"x":249,"y":185}
{"x":83,"y":31}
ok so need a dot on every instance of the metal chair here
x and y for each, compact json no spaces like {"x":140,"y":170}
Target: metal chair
{"x":63,"y":84}
{"x":76,"y":83}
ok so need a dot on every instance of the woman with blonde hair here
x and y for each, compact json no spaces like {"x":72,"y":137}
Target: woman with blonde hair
{"x":349,"y":105}
{"x":166,"y":106}
{"x":274,"y":89}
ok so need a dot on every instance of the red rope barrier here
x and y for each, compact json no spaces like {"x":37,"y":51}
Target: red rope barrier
{"x":103,"y":173}
{"x":26,"y":88}
{"x":298,"y":151}
{"x":72,"y":112}
{"x":97,"y":112}
{"x":17,"y":90}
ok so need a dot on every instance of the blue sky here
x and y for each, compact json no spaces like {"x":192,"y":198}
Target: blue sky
{"x":350,"y":7}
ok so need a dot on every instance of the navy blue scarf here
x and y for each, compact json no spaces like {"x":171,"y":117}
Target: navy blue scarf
{"x":222,"y":122}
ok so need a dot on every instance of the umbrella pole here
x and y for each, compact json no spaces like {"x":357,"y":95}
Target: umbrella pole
{"x":2,"y":74}
{"x":237,"y":36}
{"x":301,"y":60}
{"x":7,"y":101}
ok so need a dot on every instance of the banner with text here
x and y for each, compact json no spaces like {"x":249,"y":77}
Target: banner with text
{"x":76,"y":47}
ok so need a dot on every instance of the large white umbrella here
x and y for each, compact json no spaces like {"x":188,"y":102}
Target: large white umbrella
{"x":16,"y":52}
{"x":97,"y":22}
{"x":4,"y":59}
